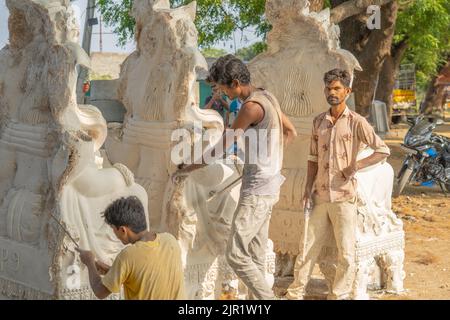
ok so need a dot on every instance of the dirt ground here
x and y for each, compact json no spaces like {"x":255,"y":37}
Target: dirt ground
{"x":426,"y":216}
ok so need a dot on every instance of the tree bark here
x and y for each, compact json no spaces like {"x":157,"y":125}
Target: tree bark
{"x":347,"y":9}
{"x":435,"y":92}
{"x":388,"y":74}
{"x":370,"y":47}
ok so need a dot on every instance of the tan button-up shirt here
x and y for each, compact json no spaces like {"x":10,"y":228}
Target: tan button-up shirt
{"x":336,"y":147}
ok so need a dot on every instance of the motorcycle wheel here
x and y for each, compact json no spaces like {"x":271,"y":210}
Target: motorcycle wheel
{"x":402,"y":181}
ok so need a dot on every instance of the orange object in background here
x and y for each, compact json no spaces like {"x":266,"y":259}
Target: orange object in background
{"x":404,"y":96}
{"x":86,"y":86}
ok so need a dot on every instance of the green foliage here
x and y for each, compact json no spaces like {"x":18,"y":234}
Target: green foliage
{"x":96,"y":76}
{"x":216,"y":20}
{"x":213,"y":52}
{"x":425,"y":25}
{"x":116,"y":14}
{"x":248,"y":53}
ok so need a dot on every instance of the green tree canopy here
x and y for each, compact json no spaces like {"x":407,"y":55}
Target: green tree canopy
{"x":213,"y":52}
{"x":216,"y":20}
{"x":423,"y":25}
{"x":248,"y":53}
{"x":421,"y":28}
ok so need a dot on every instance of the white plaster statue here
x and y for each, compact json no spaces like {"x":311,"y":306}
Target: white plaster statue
{"x":199,"y":210}
{"x":202,"y":222}
{"x":51,"y":175}
{"x":158,"y":89}
{"x":380,"y":234}
{"x":302,"y":46}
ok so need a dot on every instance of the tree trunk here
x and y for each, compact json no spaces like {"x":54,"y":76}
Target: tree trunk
{"x":388,"y":74}
{"x":435,"y":92}
{"x":370,"y":47}
{"x":343,"y":9}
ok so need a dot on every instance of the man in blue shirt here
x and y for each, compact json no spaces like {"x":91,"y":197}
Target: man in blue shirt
{"x":218,"y":103}
{"x":235,"y":106}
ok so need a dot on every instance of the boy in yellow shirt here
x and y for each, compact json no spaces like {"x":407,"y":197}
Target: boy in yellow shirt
{"x":149,"y":268}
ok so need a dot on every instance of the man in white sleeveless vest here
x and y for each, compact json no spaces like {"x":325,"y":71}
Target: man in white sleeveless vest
{"x":265,"y":129}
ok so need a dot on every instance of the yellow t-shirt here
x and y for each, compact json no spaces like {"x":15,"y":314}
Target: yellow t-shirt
{"x":149,"y":270}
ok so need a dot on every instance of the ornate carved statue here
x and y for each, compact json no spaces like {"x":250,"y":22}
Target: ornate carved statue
{"x":302,"y":46}
{"x":51,"y":177}
{"x":158,"y":89}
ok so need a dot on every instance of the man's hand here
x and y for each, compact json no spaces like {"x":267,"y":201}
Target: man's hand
{"x":289,"y":136}
{"x":349,"y":172}
{"x":102,"y":268}
{"x":217,"y":96}
{"x":86,"y":257}
{"x":185,"y":170}
{"x":307,"y":198}
{"x":289,"y":131}
{"x":178,"y":174}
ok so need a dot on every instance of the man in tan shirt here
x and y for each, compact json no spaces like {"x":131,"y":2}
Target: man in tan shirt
{"x":338,"y":135}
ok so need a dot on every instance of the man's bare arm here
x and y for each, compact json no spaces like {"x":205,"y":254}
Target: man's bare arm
{"x":313,"y":167}
{"x":289,"y":130}
{"x":225,"y":103}
{"x":366,"y":134}
{"x":88,"y":259}
{"x":374,"y":158}
{"x":209,"y":104}
{"x":100,"y":291}
{"x":371,"y":160}
{"x":102,"y":268}
{"x":250,"y":113}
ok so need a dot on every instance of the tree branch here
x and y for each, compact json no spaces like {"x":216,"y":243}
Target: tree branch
{"x":352,"y":8}
{"x":399,"y":50}
{"x":379,"y":43}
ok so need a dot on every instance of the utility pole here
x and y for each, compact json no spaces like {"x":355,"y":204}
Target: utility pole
{"x":101,"y":35}
{"x":87,"y":35}
{"x":86,"y":45}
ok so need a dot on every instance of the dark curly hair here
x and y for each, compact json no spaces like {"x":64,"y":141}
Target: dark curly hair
{"x":128,"y":212}
{"x":338,"y":75}
{"x":228,"y":68}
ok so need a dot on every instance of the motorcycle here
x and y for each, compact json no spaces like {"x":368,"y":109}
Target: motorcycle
{"x":427,"y":161}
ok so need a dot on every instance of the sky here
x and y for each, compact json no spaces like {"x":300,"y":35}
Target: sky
{"x":110,"y":39}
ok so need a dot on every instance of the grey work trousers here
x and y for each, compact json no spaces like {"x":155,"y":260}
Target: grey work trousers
{"x":246,"y":249}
